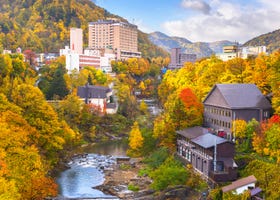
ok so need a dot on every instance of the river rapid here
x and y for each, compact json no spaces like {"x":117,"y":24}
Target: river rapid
{"x":86,"y":170}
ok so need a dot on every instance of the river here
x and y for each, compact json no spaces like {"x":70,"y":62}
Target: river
{"x":86,"y":170}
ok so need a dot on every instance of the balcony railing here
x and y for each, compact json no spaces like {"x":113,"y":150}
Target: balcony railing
{"x":194,"y":150}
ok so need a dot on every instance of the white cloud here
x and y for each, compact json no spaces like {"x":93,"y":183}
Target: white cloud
{"x":142,"y":26}
{"x":197,"y":5}
{"x":228,"y":21}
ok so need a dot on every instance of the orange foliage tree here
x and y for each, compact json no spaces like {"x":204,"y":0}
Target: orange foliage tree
{"x":266,"y":141}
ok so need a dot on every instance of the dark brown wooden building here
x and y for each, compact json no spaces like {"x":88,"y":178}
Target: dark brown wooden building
{"x":210,"y":155}
{"x":227,"y":102}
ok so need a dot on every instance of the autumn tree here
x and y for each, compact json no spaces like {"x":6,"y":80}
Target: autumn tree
{"x":180,"y":111}
{"x":30,"y":57}
{"x":205,"y":73}
{"x":239,"y":129}
{"x":164,"y":131}
{"x":235,"y":71}
{"x":135,"y":140}
{"x":124,"y":91}
{"x":40,"y":115}
{"x":22,"y":158}
{"x":143,"y":107}
{"x":267,"y":175}
{"x":70,"y":109}
{"x":274,"y":75}
{"x":266,"y":140}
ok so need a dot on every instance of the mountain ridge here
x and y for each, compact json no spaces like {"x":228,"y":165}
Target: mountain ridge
{"x":271,"y":40}
{"x":201,"y":49}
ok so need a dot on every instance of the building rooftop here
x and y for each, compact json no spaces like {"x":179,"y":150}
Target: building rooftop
{"x":113,"y":21}
{"x":201,"y":136}
{"x":208,"y":140}
{"x":239,"y":183}
{"x":237,"y":96}
{"x":192,"y":132}
{"x":93,"y":91}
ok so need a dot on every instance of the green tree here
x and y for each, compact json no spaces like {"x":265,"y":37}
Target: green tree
{"x":170,"y":173}
{"x":58,"y":87}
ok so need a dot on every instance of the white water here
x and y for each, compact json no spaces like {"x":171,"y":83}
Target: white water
{"x":85,"y":172}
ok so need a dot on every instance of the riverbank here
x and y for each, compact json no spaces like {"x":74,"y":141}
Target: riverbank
{"x":125,"y":174}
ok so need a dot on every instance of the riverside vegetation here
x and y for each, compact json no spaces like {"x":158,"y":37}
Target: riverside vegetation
{"x":35,"y":135}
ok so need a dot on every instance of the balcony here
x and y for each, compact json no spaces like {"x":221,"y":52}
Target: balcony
{"x":193,"y":149}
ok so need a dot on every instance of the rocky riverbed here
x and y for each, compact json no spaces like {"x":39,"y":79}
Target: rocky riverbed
{"x":125,"y":173}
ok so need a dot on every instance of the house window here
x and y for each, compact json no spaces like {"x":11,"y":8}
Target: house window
{"x":189,"y":155}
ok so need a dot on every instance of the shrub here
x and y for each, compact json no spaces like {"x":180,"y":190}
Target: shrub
{"x":133,"y":187}
{"x":157,"y":157}
{"x":170,"y":173}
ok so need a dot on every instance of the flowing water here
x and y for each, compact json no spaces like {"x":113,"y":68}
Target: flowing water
{"x":152,"y":106}
{"x":86,"y":170}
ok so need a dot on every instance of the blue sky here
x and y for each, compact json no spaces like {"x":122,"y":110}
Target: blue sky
{"x":200,"y":20}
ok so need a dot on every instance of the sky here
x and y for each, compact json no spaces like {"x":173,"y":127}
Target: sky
{"x":200,"y":20}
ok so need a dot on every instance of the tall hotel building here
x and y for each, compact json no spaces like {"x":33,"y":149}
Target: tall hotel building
{"x":178,"y":58}
{"x":119,"y":36}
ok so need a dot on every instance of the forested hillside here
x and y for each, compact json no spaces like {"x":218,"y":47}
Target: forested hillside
{"x":270,"y":40}
{"x":31,"y":134}
{"x":43,"y":25}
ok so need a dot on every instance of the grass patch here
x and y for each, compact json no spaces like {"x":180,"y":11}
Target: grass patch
{"x":133,"y":187}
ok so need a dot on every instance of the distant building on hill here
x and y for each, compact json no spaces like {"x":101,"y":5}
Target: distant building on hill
{"x":77,"y":58}
{"x":178,"y":58}
{"x":246,"y":52}
{"x":234,"y":51}
{"x":121,"y":37}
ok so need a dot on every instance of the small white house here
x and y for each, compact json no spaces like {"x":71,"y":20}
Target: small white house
{"x":241,"y":185}
{"x":98,"y":97}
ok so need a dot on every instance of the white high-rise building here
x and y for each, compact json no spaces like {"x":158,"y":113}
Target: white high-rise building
{"x":76,"y":40}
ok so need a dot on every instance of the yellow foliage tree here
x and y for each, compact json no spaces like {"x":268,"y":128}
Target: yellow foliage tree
{"x":143,"y":107}
{"x":239,"y":128}
{"x":135,"y":140}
